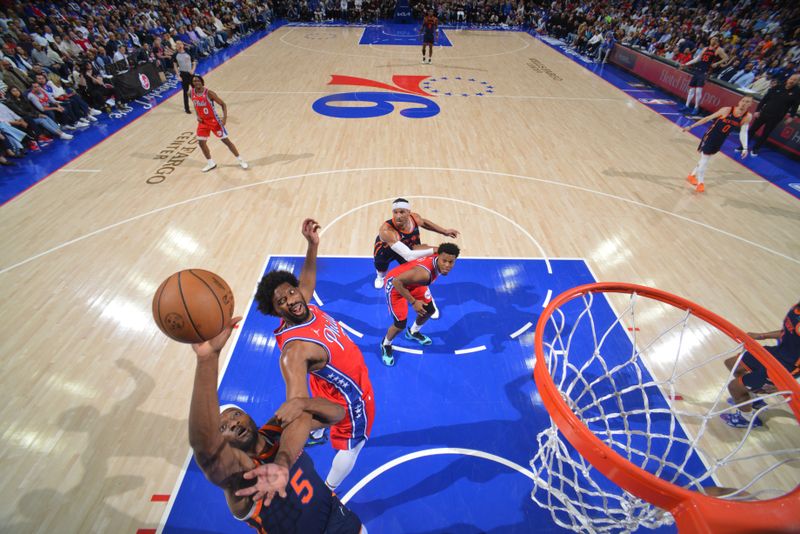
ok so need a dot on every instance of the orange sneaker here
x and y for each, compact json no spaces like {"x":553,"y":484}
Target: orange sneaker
{"x":701,"y":188}
{"x":691,"y":179}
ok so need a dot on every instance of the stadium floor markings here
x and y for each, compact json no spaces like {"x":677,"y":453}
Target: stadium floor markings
{"x":380,"y":169}
{"x":434,"y":452}
{"x":351,"y":329}
{"x":470,"y":350}
{"x":522,"y":330}
{"x":405,"y":55}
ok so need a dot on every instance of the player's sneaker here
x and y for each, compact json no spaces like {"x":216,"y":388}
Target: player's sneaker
{"x":756,"y":404}
{"x":378,"y":283}
{"x":386,"y":355}
{"x":692,"y":179}
{"x":701,"y":187}
{"x":754,"y":153}
{"x":419,"y":337}
{"x":423,"y":60}
{"x":696,"y":111}
{"x":737,"y":420}
{"x":243,"y":164}
{"x":208,"y":167}
{"x":317,"y":437}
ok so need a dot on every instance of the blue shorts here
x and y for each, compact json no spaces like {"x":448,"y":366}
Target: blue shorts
{"x":756,"y":376}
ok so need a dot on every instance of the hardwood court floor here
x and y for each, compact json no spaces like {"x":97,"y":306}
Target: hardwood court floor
{"x":553,"y":163}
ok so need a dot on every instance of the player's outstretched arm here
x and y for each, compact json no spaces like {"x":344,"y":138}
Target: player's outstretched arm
{"x":218,"y":460}
{"x":308,"y":274}
{"x":433,"y":227}
{"x":765,"y":335}
{"x":272,"y":478}
{"x":721,"y":112}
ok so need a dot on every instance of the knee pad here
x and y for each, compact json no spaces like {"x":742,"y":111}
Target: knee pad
{"x":400,"y":324}
{"x":430,"y":308}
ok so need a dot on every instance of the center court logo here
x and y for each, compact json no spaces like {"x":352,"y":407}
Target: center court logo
{"x":406,"y":92}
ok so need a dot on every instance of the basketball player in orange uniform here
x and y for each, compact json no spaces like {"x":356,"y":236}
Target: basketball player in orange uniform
{"x":724,"y":119}
{"x":429,"y":32}
{"x":313,"y":345}
{"x":408,"y":284}
{"x":226,"y":442}
{"x":208,"y":121}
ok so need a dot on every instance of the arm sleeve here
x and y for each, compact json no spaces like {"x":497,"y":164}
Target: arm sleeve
{"x":743,"y":136}
{"x":409,"y":254}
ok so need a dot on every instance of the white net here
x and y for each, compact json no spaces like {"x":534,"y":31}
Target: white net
{"x":650,"y":382}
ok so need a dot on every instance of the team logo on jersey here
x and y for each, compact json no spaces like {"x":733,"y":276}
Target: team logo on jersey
{"x":406,"y":92}
{"x":145,"y":81}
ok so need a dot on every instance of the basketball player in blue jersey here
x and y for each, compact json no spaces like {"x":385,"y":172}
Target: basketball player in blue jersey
{"x":724,"y":120}
{"x":750,"y":375}
{"x":227,"y":443}
{"x":429,"y":32}
{"x":399,"y":240}
{"x":705,"y":62}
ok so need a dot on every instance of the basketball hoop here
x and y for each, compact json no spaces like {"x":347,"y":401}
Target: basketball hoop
{"x":635,"y":438}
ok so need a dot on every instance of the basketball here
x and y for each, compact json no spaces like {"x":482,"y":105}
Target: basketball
{"x":193,"y":305}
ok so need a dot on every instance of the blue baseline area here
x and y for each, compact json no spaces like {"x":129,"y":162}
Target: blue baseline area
{"x":485,"y":401}
{"x":398,"y":35}
{"x":36,"y":166}
{"x":774,"y":166}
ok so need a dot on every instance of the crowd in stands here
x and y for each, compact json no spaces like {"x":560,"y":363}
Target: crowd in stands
{"x":761,"y":38}
{"x":59,"y":60}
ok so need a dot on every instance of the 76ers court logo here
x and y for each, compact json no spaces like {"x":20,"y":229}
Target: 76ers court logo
{"x":405,"y":93}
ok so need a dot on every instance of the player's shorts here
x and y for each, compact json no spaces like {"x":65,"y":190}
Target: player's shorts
{"x":709,"y":147}
{"x":698,"y":79}
{"x":398,"y":306}
{"x":342,"y":520}
{"x":356,"y":425}
{"x":206,"y":127}
{"x":383,"y":256}
{"x":428,"y":38}
{"x":756,"y":376}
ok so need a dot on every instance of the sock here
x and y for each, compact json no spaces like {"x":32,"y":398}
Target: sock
{"x":380,"y":274}
{"x":342,"y":464}
{"x":415,"y":328}
{"x":318,"y":433}
{"x":386,"y":341}
{"x":700,"y":170}
{"x":238,"y":158}
{"x":210,"y":161}
{"x":747,"y":416}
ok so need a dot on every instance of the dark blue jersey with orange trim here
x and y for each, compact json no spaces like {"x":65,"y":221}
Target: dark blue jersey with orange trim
{"x":788,"y":347}
{"x":308,"y":504}
{"x":706,"y":59}
{"x":429,"y":25}
{"x":720,"y":129}
{"x":410,"y":239}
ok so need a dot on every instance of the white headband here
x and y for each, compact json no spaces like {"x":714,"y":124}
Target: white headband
{"x":401,"y":205}
{"x":228,"y":407}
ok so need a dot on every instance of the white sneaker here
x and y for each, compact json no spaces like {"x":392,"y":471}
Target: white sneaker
{"x":89,"y":118}
{"x":94,"y":112}
{"x":82,"y":123}
{"x":209,"y":166}
{"x":243,"y":164}
{"x":66,"y":136}
{"x":68,"y":127}
{"x":378,"y":283}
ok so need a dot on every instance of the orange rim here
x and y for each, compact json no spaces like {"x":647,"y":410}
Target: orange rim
{"x":693,"y":511}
